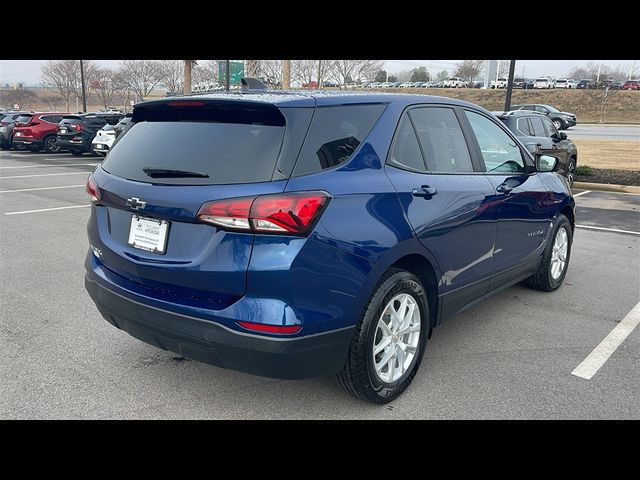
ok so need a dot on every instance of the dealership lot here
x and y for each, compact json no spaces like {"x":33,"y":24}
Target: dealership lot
{"x":511,"y":357}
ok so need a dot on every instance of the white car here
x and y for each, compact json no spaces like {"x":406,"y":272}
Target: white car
{"x":543,"y":82}
{"x":500,"y":83}
{"x":103,"y":140}
{"x":455,"y":82}
{"x":566,"y":83}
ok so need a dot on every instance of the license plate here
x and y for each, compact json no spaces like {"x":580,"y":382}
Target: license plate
{"x":63,"y":130}
{"x":18,"y":134}
{"x":99,"y":146}
{"x":148,"y":234}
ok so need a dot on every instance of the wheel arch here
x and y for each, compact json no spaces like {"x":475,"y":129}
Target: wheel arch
{"x":422,"y":268}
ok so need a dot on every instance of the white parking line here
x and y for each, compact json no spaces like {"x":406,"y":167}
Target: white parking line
{"x":48,"y":175}
{"x":582,"y":193}
{"x":40,"y":188}
{"x":54,"y":166}
{"x":616,"y":230}
{"x":603,"y":351}
{"x":46,"y":209}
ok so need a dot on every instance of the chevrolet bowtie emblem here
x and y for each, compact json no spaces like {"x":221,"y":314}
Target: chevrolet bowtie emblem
{"x":135,"y":203}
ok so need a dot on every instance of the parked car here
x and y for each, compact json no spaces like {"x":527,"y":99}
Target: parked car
{"x":562,"y":120}
{"x":540,"y":136}
{"x":455,"y":82}
{"x":543,"y":82}
{"x":522,"y":83}
{"x":585,"y":84}
{"x":499,"y":83}
{"x":122,"y":125}
{"x":566,"y":83}
{"x":406,"y":85}
{"x":76,"y":132}
{"x":430,"y":84}
{"x":631,"y":85}
{"x":328,"y":234}
{"x":103,"y":140}
{"x":37,"y":131}
{"x":477,"y":84}
{"x":7,"y":122}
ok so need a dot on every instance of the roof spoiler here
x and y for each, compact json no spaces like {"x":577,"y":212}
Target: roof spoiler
{"x":249,"y":83}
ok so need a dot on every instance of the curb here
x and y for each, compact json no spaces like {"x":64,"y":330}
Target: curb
{"x":607,"y":187}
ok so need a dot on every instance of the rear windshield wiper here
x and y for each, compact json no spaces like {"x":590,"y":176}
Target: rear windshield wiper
{"x":171,"y":173}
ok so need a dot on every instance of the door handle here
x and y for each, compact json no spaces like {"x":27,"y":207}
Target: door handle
{"x":504,"y":188}
{"x":424,"y":191}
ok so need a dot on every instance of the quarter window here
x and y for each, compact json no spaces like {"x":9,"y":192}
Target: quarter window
{"x":442,"y":141}
{"x":499,"y":151}
{"x":538,"y":127}
{"x":406,"y":151}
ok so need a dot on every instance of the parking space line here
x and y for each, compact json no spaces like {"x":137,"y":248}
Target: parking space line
{"x":54,"y":166}
{"x":46,"y":209}
{"x":48,"y":175}
{"x":605,"y":349}
{"x":40,"y":188}
{"x":615,"y":230}
{"x":582,"y":193}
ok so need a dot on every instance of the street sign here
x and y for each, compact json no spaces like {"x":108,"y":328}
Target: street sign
{"x":236,"y":72}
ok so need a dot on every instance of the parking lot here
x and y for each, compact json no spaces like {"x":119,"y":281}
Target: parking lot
{"x":511,"y":357}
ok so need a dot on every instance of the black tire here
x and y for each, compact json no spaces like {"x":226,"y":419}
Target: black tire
{"x":50,"y":144}
{"x":358,"y":376}
{"x":542,"y":279}
{"x":75,"y":153}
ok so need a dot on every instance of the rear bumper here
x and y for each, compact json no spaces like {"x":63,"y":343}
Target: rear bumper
{"x":66,"y":143}
{"x":27,"y":141}
{"x":287,"y":358}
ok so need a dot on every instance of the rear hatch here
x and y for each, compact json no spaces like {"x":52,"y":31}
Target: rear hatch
{"x":177,"y":156}
{"x":70,"y":128}
{"x":21,"y":128}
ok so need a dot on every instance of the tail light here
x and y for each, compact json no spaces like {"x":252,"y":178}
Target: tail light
{"x":262,"y":327}
{"x":92,"y":189}
{"x":77,"y":127}
{"x":287,"y":213}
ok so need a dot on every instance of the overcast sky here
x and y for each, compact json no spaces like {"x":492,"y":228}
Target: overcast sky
{"x":28,"y":71}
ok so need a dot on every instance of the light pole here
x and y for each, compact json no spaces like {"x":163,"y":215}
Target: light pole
{"x":84,"y":96}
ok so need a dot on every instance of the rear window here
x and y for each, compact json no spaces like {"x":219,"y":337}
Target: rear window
{"x":334,"y":135}
{"x":226,"y":152}
{"x":24,"y":118}
{"x":71,"y":119}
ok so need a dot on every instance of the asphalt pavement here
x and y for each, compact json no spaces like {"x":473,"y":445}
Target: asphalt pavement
{"x":605,"y":132}
{"x":509,"y":358}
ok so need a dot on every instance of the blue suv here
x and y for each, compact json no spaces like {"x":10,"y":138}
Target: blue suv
{"x":296,"y":235}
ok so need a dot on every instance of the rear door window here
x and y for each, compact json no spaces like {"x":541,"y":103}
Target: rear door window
{"x":334,"y":135}
{"x":523,"y":127}
{"x":538,"y":127}
{"x":51,"y":118}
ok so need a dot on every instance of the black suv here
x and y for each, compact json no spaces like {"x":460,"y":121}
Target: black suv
{"x":76,"y":132}
{"x":540,"y":136}
{"x":562,"y":120}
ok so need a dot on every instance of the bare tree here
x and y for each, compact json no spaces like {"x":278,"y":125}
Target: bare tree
{"x":142,"y":76}
{"x":503,"y":68}
{"x":469,"y":69}
{"x":324,"y":66}
{"x":204,"y":71}
{"x":304,"y":71}
{"x":104,"y":85}
{"x":271,"y":71}
{"x":172,"y":74}
{"x":345,"y":71}
{"x":61,"y":76}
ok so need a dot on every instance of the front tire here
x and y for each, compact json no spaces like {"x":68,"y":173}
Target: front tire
{"x":555,"y":260}
{"x":390,"y":339}
{"x":558,"y":124}
{"x":571,"y":171}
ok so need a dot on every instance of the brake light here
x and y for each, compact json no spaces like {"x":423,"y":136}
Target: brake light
{"x":77,"y":127}
{"x":287,"y":213}
{"x":261,"y":327}
{"x":92,"y":189}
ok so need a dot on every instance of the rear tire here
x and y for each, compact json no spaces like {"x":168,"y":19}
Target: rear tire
{"x":558,"y":123}
{"x":364,"y":375}
{"x":571,"y":171}
{"x":548,"y":277}
{"x":50,"y":144}
{"x":75,"y":153}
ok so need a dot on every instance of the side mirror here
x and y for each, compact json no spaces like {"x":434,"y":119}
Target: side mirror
{"x":546,"y":163}
{"x":563,"y":136}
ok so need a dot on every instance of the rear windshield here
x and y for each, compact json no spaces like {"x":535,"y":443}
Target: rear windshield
{"x":541,"y":80}
{"x":24,"y":118}
{"x":226,"y":152}
{"x":71,"y":119}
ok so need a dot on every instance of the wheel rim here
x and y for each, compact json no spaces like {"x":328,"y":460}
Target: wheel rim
{"x":558,"y":124}
{"x":396,"y":338}
{"x":559,"y":253}
{"x":571,"y":172}
{"x":52,"y":145}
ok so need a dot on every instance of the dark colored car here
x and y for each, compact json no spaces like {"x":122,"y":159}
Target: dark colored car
{"x":631,"y":85}
{"x":122,"y":124}
{"x":7,"y":122}
{"x":297,"y":235}
{"x":522,"y":83}
{"x":540,"y":136}
{"x":562,"y":120}
{"x":76,"y":132}
{"x":585,"y":84}
{"x":37,"y":131}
